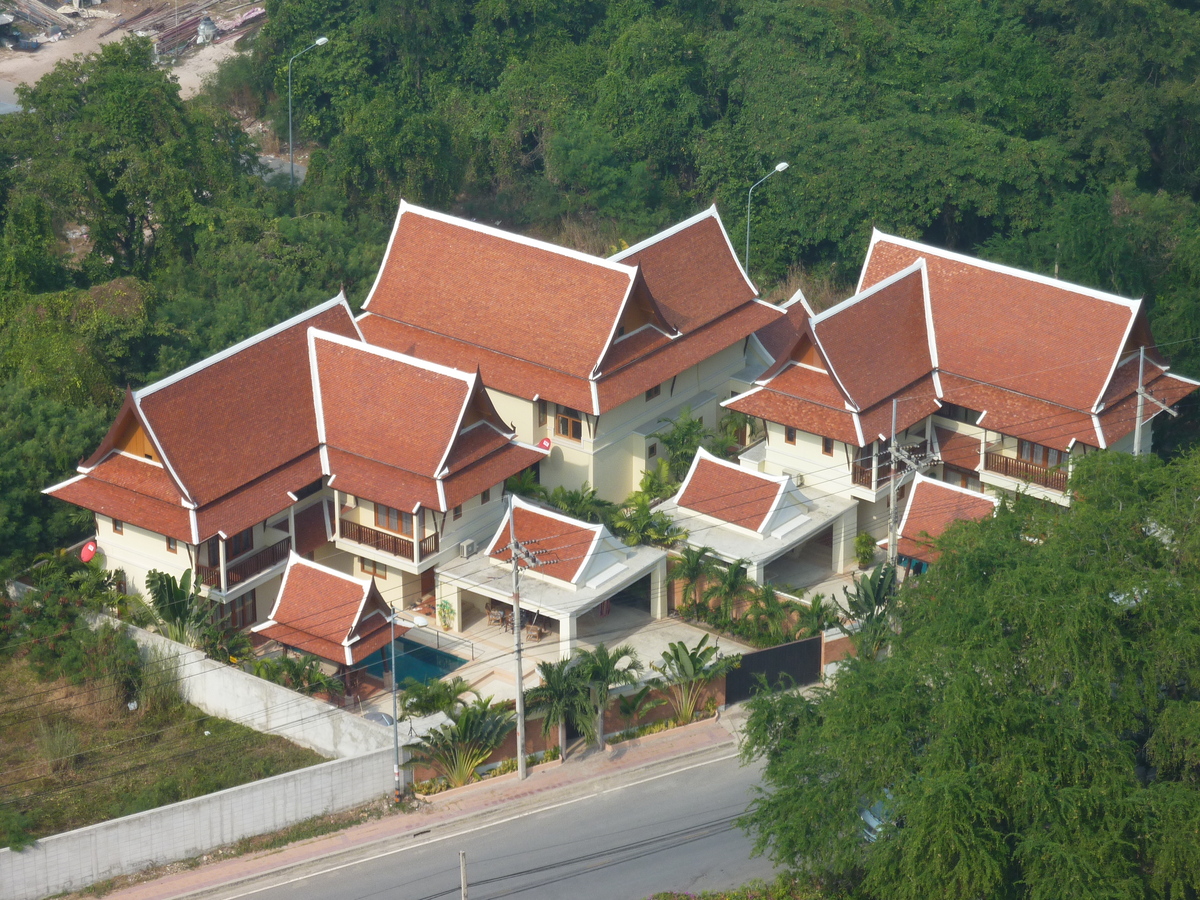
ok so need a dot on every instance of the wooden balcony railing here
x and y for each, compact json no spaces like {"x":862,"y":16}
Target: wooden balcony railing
{"x":389,"y":543}
{"x":861,"y":475}
{"x":1055,"y":479}
{"x":247,"y":568}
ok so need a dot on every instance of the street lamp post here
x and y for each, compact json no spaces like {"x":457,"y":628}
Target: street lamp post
{"x":319,"y":42}
{"x":746,"y":259}
{"x":395,"y":719}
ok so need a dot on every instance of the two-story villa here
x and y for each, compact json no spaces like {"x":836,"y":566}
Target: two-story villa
{"x":302,"y":439}
{"x":1001,"y":378}
{"x":592,"y":353}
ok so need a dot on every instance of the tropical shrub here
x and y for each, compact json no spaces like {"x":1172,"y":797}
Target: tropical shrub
{"x":687,"y":671}
{"x":458,"y":748}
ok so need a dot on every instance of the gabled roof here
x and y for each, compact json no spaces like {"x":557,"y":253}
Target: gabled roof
{"x":329,"y":614}
{"x":407,"y":451}
{"x":933,"y":506}
{"x":543,"y":322}
{"x":730,"y":493}
{"x":564,"y":547}
{"x":955,"y":448}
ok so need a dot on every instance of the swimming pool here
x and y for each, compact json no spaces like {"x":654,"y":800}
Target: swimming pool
{"x":414,"y":660}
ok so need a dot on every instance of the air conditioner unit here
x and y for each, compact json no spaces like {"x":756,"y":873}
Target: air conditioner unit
{"x":466,"y":549}
{"x":797,"y":478}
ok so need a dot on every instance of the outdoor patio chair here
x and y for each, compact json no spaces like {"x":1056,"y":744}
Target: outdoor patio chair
{"x":533,"y":632}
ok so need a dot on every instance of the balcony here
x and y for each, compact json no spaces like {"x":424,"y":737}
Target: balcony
{"x":392,"y":544}
{"x":1020,"y":470}
{"x":861,"y":476}
{"x":247,"y":567}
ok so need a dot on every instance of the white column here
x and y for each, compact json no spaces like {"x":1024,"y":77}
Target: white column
{"x":452,"y":593}
{"x":224,"y":574}
{"x":292,"y":526}
{"x":844,"y":531}
{"x":658,"y":590}
{"x":568,"y":634}
{"x":756,"y":572}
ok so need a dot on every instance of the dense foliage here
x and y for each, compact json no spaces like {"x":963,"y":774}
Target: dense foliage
{"x":1032,"y":729}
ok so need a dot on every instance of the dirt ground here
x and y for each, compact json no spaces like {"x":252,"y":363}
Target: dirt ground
{"x":27,"y":68}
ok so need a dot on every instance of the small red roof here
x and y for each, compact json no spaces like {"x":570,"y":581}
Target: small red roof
{"x":329,"y":614}
{"x":730,"y":493}
{"x":933,"y":506}
{"x":958,"y":449}
{"x":562,"y":544}
{"x":313,"y":527}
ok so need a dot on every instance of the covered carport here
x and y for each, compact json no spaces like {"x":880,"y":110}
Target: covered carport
{"x":569,"y":569}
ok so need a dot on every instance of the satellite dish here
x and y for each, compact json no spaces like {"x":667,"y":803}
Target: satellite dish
{"x":420,"y":621}
{"x":544,"y":444}
{"x":88,"y":551}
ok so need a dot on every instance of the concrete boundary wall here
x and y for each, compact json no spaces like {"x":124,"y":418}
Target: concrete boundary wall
{"x":75,"y":859}
{"x":238,"y":696}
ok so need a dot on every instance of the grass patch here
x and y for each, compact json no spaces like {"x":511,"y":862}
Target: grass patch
{"x":785,"y":887}
{"x":71,"y":757}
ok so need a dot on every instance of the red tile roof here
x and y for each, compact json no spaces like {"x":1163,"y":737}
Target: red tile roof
{"x":958,"y":449}
{"x":562,"y":544}
{"x":312,"y":527}
{"x":789,"y":407}
{"x":467,"y":482}
{"x":1026,"y":417}
{"x":115,"y":501}
{"x":260,"y":499}
{"x":692,"y":271}
{"x":1044,"y":338}
{"x":932,"y":508}
{"x":729,"y":493}
{"x":328,"y":614}
{"x":779,"y":337}
{"x":877,"y":342}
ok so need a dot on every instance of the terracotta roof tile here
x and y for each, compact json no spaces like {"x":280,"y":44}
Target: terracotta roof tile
{"x":122,"y":503}
{"x":259,"y":396}
{"x":728,"y":493}
{"x":932,"y":508}
{"x":878,"y":344}
{"x":520,"y":298}
{"x":380,"y":482}
{"x":562,"y":544}
{"x":138,"y":475}
{"x":1051,"y":340}
{"x":958,"y":449}
{"x":779,"y":337}
{"x":318,"y":610}
{"x":917,"y":401}
{"x":474,"y":444}
{"x":489,"y":472}
{"x":1120,"y":418}
{"x":257,"y":501}
{"x":1020,"y":416}
{"x":692,"y":272}
{"x":311,"y":531}
{"x":804,"y":415}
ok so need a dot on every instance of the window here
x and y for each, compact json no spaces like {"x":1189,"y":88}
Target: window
{"x":406,"y":524}
{"x":541,"y":413}
{"x":568,"y":423}
{"x":387,"y":517}
{"x":1045,"y":457}
{"x":370,"y":567}
{"x":827,"y":446}
{"x":485,"y":497}
{"x":654,"y":392}
{"x":238,"y":613}
{"x":789,"y":435}
{"x":240,"y":543}
{"x":458,"y":512}
{"x":652,"y":450}
{"x":172,"y":546}
{"x":309,"y":489}
{"x":958,"y":413}
{"x":118,"y":526}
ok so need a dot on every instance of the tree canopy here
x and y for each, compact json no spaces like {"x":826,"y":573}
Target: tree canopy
{"x":1031,"y":731}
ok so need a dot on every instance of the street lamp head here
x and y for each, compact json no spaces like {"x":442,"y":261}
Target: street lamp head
{"x":781,"y":167}
{"x":322,"y":41}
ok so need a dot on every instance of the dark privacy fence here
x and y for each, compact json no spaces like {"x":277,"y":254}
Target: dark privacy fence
{"x":797,"y":663}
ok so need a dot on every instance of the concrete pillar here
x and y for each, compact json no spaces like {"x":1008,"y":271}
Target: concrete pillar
{"x":445,"y":591}
{"x":658,"y":590}
{"x":756,"y":572}
{"x":568,"y":634}
{"x":845,"y":529}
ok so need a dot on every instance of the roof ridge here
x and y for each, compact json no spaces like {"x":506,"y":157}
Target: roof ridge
{"x":316,"y":334}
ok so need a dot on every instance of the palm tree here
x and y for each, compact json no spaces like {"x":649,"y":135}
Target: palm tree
{"x":870,"y":603}
{"x":637,"y":523}
{"x":681,"y":440}
{"x":601,"y":670}
{"x":693,"y":566}
{"x":731,"y":584}
{"x":688,"y":670}
{"x":562,"y":695}
{"x":424,"y":698}
{"x":525,"y":484}
{"x":771,"y":615}
{"x":818,"y":615}
{"x":458,"y":748}
{"x":634,"y":706}
{"x":302,"y":674}
{"x":657,"y":482}
{"x":176,"y":609}
{"x":583,"y":504}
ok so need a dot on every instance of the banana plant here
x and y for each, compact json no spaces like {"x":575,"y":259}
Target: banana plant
{"x":687,"y":671}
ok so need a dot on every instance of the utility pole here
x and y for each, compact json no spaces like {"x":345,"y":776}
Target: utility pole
{"x":1144,"y":395}
{"x":899,"y":455}
{"x":462,"y":871}
{"x":518,"y":553}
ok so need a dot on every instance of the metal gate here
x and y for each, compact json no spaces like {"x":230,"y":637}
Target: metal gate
{"x":787,"y":665}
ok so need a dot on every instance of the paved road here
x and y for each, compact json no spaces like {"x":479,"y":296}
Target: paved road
{"x":672,"y":832}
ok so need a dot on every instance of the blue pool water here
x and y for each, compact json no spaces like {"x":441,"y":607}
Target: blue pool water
{"x":414,"y":660}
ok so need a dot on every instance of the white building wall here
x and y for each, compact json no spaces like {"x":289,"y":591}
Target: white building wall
{"x":138,"y":551}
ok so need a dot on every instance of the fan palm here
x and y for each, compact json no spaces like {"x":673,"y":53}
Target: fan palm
{"x":730,"y":585}
{"x":424,"y":698}
{"x":525,"y":484}
{"x":657,"y":482}
{"x":602,"y":670}
{"x":638,"y":523}
{"x":693,"y":567}
{"x":818,"y":616}
{"x":771,"y":615}
{"x":562,"y":695}
{"x":458,"y":748}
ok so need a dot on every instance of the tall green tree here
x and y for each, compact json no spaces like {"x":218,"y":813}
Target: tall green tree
{"x":1026,"y":731}
{"x":687,"y":671}
{"x":602,"y":669}
{"x":561,"y":697}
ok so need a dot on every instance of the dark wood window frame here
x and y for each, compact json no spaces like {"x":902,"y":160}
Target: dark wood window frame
{"x":653,"y":392}
{"x":568,"y":423}
{"x":458,"y":511}
{"x":789,"y":434}
{"x":1040,"y":454}
{"x":652,"y":450}
{"x":827,"y":446}
{"x":371,"y":567}
{"x":240,"y":543}
{"x":172,"y":545}
{"x":485,"y":497}
{"x":118,"y":526}
{"x":387,"y":517}
{"x":541,"y":406}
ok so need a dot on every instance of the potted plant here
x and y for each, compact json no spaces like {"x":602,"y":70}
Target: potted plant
{"x":445,"y":613}
{"x":864,"y":549}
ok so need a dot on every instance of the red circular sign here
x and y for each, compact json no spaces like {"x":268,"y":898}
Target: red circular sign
{"x":88,"y":551}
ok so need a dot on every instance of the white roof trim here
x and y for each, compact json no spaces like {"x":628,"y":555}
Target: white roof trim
{"x":595,"y":397}
{"x":339,"y":300}
{"x":384,"y":353}
{"x":314,"y":374}
{"x":858,"y":297}
{"x":386,"y":255}
{"x":798,"y":297}
{"x":440,"y":469}
{"x":1103,"y":444}
{"x":612,"y":331}
{"x":517,"y":502}
{"x":63,"y":484}
{"x":930,"y":334}
{"x":128,"y":455}
{"x":1116,"y":362}
{"x":1003,"y":270}
{"x":876,"y":236}
{"x":137,"y":402}
{"x":651,"y":325}
{"x":858,"y":429}
{"x":754,"y":390}
{"x":195,"y":524}
{"x":441,"y":489}
{"x":702,"y":455}
{"x":851,"y":405}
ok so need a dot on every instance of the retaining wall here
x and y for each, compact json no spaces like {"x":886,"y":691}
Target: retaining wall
{"x":74,"y":859}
